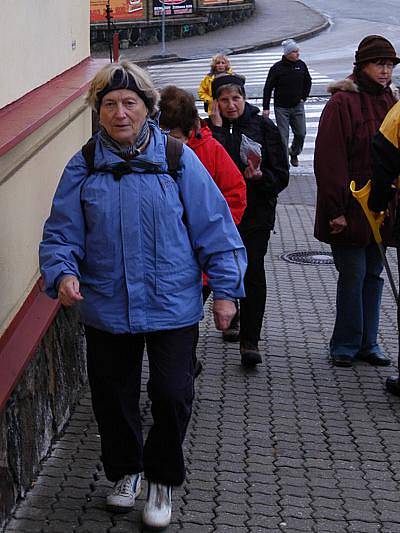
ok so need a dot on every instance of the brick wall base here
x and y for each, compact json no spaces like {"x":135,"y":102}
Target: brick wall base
{"x":40,"y":406}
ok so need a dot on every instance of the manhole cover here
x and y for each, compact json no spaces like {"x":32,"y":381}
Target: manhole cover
{"x":308,"y":258}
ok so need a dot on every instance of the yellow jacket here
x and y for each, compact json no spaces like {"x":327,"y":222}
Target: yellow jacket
{"x":205,"y":88}
{"x":390,"y":127}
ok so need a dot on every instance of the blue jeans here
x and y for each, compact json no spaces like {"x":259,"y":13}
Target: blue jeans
{"x":294,"y":117}
{"x":358,"y":300}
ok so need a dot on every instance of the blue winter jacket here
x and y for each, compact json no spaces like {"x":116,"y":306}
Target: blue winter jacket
{"x":138,"y":245}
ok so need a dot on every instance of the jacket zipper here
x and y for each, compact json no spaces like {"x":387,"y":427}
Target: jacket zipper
{"x":235,"y":255}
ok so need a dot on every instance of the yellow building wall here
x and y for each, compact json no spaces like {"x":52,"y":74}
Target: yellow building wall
{"x":28,"y":178}
{"x":40,"y":39}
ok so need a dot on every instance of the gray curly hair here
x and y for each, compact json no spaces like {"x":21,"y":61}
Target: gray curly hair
{"x":124,"y":68}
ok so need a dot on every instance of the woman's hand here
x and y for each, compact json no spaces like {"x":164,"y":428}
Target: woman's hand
{"x":68,"y":291}
{"x":338,"y":224}
{"x":224,"y":311}
{"x":251,"y":173}
{"x":215,"y":115}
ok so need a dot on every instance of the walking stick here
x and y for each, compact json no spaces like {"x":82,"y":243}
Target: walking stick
{"x":362,"y":196}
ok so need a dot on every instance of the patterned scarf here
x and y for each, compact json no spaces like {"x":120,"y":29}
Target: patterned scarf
{"x":122,"y":151}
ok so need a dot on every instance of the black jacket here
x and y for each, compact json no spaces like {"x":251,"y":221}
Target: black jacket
{"x":290,"y":81}
{"x":386,"y":169}
{"x":385,"y":172}
{"x":261,"y":194}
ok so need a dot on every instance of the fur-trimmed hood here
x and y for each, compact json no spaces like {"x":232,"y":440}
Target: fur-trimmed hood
{"x":350,"y":86}
{"x":395,"y":91}
{"x":347,"y":85}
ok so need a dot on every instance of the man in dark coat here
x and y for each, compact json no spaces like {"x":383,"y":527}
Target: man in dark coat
{"x":255,"y":145}
{"x":291,"y":82}
{"x":385,"y":174}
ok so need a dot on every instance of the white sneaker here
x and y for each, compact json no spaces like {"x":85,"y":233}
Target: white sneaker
{"x":158,"y":508}
{"x":126,"y":490}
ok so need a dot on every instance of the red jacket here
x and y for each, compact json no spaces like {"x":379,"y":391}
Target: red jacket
{"x":222,"y":169}
{"x":348,"y":123}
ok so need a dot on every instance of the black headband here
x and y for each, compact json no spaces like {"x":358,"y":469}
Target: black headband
{"x":227,"y":79}
{"x":123,"y":80}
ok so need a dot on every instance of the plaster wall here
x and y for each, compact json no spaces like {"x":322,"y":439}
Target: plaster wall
{"x":39,"y":40}
{"x":28,"y":178}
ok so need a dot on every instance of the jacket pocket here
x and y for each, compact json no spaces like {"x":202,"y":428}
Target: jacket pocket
{"x":99,"y":198}
{"x":173,"y":282}
{"x":104,"y":287}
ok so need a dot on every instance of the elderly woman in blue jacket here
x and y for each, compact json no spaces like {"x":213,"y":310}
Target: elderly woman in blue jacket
{"x":127,"y":241}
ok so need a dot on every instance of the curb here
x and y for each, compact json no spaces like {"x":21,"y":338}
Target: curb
{"x":169,"y":58}
{"x":269,"y":44}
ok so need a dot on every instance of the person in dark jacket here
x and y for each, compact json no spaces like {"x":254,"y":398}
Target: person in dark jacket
{"x":347,"y":126}
{"x":255,"y":145}
{"x":290,"y":81}
{"x":384,"y":187}
{"x":127,"y":242}
{"x":179,"y":115}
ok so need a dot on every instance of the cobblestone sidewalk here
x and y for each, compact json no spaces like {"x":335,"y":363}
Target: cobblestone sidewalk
{"x":296,"y":445}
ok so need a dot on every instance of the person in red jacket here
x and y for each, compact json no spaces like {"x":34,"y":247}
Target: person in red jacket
{"x":179,"y":115}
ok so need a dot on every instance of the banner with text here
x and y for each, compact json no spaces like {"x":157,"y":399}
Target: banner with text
{"x":121,"y":10}
{"x":220,"y":2}
{"x":172,"y":7}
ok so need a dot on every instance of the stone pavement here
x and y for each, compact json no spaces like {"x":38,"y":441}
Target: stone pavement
{"x":273,"y":21}
{"x":295,"y":445}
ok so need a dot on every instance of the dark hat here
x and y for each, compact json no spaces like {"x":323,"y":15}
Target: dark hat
{"x":227,"y":79}
{"x":122,"y":80}
{"x":373,"y":48}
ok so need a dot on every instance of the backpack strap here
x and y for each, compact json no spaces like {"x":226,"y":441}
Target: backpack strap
{"x":174,"y":151}
{"x":88,"y":151}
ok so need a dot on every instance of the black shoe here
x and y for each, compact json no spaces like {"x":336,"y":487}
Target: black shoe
{"x":342,"y":360}
{"x":232,"y":334}
{"x":393,"y":385}
{"x":198,"y":367}
{"x":294,"y":161}
{"x":375,"y":359}
{"x":250,"y":354}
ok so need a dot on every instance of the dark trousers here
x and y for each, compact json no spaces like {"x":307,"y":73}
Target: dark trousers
{"x":114,"y":368}
{"x":253,"y":306}
{"x":398,"y":313}
{"x":358,"y":300}
{"x":206,"y":293}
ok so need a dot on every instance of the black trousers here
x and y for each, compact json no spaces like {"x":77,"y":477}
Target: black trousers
{"x":398,"y":313}
{"x":114,"y":365}
{"x":253,"y":306}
